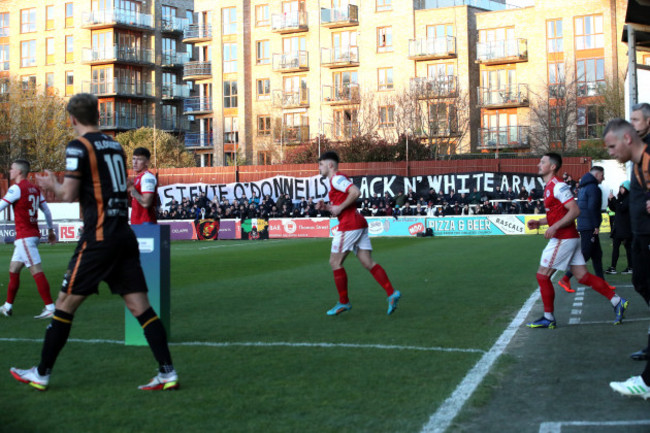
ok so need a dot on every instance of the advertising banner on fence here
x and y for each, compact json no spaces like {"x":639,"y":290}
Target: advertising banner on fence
{"x":404,"y":226}
{"x":8,"y":233}
{"x":484,"y":225}
{"x":186,"y":230}
{"x":605,"y":225}
{"x":317,"y":186}
{"x":255,"y":229}
{"x":69,"y":232}
{"x":299,"y":228}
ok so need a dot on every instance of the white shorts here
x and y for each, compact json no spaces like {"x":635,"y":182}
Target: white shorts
{"x":561,"y":253}
{"x":351,"y":240}
{"x":26,"y":251}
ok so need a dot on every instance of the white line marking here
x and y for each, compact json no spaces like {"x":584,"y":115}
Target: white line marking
{"x":556,"y":427}
{"x":271,"y":344}
{"x":442,"y":418}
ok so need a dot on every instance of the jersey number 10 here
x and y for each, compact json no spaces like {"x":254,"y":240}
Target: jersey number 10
{"x":116,"y":166}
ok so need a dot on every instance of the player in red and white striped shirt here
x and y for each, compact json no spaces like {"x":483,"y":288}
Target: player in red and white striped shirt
{"x":26,"y":199}
{"x":351,"y":235}
{"x":563,"y":249}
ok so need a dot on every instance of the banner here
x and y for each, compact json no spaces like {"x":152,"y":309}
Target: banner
{"x":318,"y":187}
{"x":186,"y":230}
{"x":255,"y":229}
{"x":486,"y":225}
{"x":389,"y":226}
{"x":282,"y":228}
{"x":8,"y":233}
{"x":605,"y":225}
{"x":207,"y":230}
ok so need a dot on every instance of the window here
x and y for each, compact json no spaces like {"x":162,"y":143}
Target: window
{"x":27,"y":53}
{"x":229,"y":58}
{"x":28,"y":20}
{"x":102,"y":79}
{"x":589,"y":32}
{"x":646,"y":59}
{"x":69,"y":14}
{"x":554,"y":39}
{"x":262,"y":15}
{"x":28,"y":81}
{"x":346,"y":85}
{"x":263,"y":52}
{"x":387,"y":116}
{"x":263,"y":88}
{"x":556,"y":80}
{"x":229,"y":21}
{"x":590,"y":121}
{"x":590,"y":76}
{"x":440,"y":31}
{"x":384,"y":5}
{"x":230,"y":130}
{"x":230,"y":94}
{"x":69,"y":49}
{"x":384,"y":39}
{"x":69,"y":83}
{"x":49,"y":51}
{"x":49,"y":83}
{"x":263,"y":125}
{"x":442,"y":119}
{"x":501,"y":129}
{"x":264,"y":158}
{"x":49,"y":17}
{"x":4,"y":24}
{"x":4,"y":57}
{"x":190,"y":16}
{"x":168,"y":16}
{"x":385,"y":78}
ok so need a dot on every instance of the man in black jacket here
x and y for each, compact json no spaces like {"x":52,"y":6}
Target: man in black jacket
{"x":640,"y":119}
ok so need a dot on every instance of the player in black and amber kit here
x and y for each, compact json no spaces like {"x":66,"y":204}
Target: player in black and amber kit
{"x":107,"y":251}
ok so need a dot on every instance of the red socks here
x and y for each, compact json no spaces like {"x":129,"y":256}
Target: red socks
{"x":12,"y":288}
{"x":598,"y":284}
{"x":548,"y":292}
{"x":43,"y":288}
{"x":380,"y":275}
{"x":341,"y":281}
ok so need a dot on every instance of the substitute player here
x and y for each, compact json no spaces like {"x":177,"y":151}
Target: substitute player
{"x":352,"y":235}
{"x":563,"y":249}
{"x":143,"y":189}
{"x":107,"y":250}
{"x":26,"y":199}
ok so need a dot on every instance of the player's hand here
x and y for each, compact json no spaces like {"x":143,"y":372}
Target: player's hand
{"x":533,"y":224}
{"x":335,"y":210}
{"x":550,"y":232}
{"x":46,"y":181}
{"x":129,"y":185}
{"x":51,"y":237}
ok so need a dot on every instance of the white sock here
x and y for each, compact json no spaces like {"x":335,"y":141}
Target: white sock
{"x":615,"y":300}
{"x":8,"y":306}
{"x":49,"y":307}
{"x":549,"y":316}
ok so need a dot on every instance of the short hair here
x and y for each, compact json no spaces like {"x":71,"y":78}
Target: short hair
{"x":142,"y":151}
{"x":23,"y":165}
{"x":83,"y":106}
{"x":643,"y":107}
{"x":330,"y":155}
{"x":556,"y":159}
{"x":619,"y":127}
{"x":597,"y":168}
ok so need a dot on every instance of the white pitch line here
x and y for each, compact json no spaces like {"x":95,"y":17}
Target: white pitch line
{"x":271,"y":344}
{"x":442,"y":418}
{"x":556,"y":427}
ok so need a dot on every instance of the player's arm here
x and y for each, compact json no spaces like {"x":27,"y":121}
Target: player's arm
{"x":353,"y":194}
{"x":51,"y":236}
{"x":10,"y":197}
{"x":146,"y":199}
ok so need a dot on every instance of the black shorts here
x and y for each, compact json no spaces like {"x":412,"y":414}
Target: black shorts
{"x":115,"y":260}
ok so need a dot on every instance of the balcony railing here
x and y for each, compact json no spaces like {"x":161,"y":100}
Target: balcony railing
{"x":117,"y":53}
{"x":432,"y":48}
{"x":197,"y":69}
{"x":591,"y":88}
{"x":506,"y":51}
{"x":339,"y":57}
{"x":512,"y":96}
{"x":116,"y":16}
{"x":441,"y":128}
{"x":173,"y":24}
{"x":179,"y":123}
{"x":504,"y":137}
{"x":292,"y":134}
{"x":291,"y":62}
{"x":199,"y":139}
{"x":289,"y":22}
{"x":197,"y":104}
{"x":342,"y":130}
{"x":174,"y":58}
{"x":489,"y":5}
{"x":197,"y":32}
{"x":340,"y":17}
{"x":296,"y":99}
{"x":113,"y":120}
{"x":118,"y":88}
{"x":175,"y":91}
{"x":431,"y":88}
{"x":347,"y":94}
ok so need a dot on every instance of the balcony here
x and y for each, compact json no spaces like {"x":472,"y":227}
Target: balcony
{"x":173,"y":24}
{"x":116,"y":18}
{"x":113,"y":120}
{"x":342,"y":130}
{"x":590,"y":88}
{"x":289,"y":22}
{"x":197,"y":70}
{"x":197,"y":105}
{"x":340,"y":17}
{"x":341,"y":95}
{"x":115,"y":87}
{"x":507,"y":97}
{"x":295,"y":99}
{"x":291,"y":62}
{"x":116,"y":53}
{"x":175,"y":124}
{"x":174,"y":59}
{"x":172,"y":91}
{"x":509,"y":137}
{"x":292,"y":134}
{"x":432,"y":48}
{"x":433,"y":88}
{"x":339,"y":57}
{"x":197,"y":33}
{"x":199,"y":139}
{"x":488,"y":5}
{"x":507,"y":51}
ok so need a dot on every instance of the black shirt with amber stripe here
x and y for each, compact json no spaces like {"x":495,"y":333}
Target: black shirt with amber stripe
{"x":98,"y":161}
{"x":639,"y":194}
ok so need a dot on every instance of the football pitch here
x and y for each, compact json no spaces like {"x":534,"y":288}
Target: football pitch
{"x":254,"y":349}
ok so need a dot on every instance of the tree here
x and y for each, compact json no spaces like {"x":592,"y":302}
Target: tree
{"x":613,"y":93}
{"x":168,"y":152}
{"x":33,"y":125}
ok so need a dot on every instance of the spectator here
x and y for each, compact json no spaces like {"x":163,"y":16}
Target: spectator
{"x":622,"y":227}
{"x":419,"y":210}
{"x":475,"y":197}
{"x":400,"y":199}
{"x":374,"y":201}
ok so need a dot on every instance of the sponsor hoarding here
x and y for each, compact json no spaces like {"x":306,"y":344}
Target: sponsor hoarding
{"x":299,"y":228}
{"x":482,"y":225}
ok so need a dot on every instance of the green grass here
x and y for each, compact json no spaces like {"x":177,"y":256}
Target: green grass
{"x":457,"y":293}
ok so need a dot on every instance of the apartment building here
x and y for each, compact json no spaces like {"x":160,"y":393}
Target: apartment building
{"x":127,"y":52}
